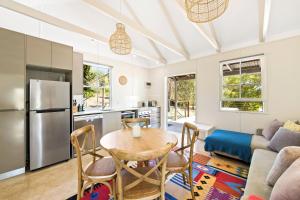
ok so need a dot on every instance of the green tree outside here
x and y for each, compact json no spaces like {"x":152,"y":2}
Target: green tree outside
{"x":247,"y":86}
{"x":96,"y":82}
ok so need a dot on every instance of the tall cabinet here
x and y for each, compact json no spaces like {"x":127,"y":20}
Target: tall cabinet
{"x":12,"y":114}
{"x":77,"y":74}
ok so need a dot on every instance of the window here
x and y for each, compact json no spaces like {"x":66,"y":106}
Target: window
{"x":242,"y":85}
{"x":96,"y":85}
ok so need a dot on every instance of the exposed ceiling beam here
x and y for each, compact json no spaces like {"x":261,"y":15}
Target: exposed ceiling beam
{"x":200,"y":29}
{"x":173,"y":27}
{"x":154,"y":46}
{"x":264,"y":10}
{"x":36,"y":14}
{"x":115,"y":15}
{"x":214,"y":35}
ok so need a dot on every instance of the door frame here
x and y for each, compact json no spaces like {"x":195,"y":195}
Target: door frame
{"x":165,"y":103}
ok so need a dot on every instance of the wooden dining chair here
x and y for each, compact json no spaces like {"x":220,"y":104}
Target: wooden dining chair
{"x":100,"y":170}
{"x":141,"y":182}
{"x":178,"y":161}
{"x":143,"y":122}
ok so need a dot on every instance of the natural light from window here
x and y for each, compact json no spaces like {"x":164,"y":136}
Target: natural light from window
{"x":242,"y":85}
{"x":97,"y":85}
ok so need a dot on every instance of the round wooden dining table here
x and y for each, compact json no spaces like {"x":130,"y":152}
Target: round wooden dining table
{"x":150,"y":139}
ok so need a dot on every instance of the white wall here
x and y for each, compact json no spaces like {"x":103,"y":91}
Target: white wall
{"x":283,"y":85}
{"x":124,"y":95}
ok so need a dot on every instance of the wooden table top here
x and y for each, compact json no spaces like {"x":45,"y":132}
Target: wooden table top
{"x":151,"y":139}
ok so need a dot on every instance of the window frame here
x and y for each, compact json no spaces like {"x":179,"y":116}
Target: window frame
{"x":110,"y":80}
{"x":263,"y":98}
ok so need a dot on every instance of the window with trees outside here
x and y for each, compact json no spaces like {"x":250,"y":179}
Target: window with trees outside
{"x":242,"y":87}
{"x":96,"y":85}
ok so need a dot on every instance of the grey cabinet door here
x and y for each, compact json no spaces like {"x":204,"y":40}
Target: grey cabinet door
{"x":77,"y":74}
{"x":38,"y":52}
{"x":12,"y":141}
{"x":111,"y":122}
{"x":62,"y":56}
{"x":12,"y":70}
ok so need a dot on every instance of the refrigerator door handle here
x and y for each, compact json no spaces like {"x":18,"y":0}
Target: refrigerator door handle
{"x":51,"y":110}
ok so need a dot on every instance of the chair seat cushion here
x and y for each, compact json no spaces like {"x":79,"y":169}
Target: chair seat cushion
{"x":143,"y":189}
{"x":176,"y":161}
{"x":102,"y":167}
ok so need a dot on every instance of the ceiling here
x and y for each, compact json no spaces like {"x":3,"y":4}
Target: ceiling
{"x":159,"y":29}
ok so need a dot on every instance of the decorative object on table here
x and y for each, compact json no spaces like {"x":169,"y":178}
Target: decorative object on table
{"x":136,"y":131}
{"x":119,"y":41}
{"x":211,"y":183}
{"x":123,"y":80}
{"x":201,"y":11}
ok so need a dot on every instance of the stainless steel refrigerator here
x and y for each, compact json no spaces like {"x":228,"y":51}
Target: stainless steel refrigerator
{"x":49,"y":119}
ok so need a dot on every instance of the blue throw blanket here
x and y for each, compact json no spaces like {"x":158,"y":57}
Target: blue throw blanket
{"x":230,"y":142}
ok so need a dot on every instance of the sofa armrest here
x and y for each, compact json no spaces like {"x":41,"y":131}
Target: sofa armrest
{"x":259,"y":131}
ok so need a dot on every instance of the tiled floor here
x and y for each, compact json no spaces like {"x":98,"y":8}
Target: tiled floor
{"x":57,"y":182}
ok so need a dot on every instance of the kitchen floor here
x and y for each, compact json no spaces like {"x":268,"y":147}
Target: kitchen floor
{"x":57,"y":182}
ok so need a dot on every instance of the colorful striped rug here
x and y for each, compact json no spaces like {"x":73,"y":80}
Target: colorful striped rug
{"x":210,"y":183}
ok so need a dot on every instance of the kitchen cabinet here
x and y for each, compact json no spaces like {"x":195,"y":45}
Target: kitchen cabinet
{"x":38,"y":52}
{"x":12,"y":145}
{"x":62,"y":56}
{"x":77,"y":74}
{"x":111,"y":122}
{"x":12,"y":115}
{"x":12,"y":69}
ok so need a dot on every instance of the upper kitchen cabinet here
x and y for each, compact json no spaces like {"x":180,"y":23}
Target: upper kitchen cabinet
{"x":38,"y":52}
{"x":12,"y":70}
{"x":77,"y":74}
{"x":62,"y":56}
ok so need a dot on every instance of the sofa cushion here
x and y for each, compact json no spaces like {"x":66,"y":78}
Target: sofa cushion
{"x":259,"y":142}
{"x":293,"y":126}
{"x":284,"y":159}
{"x":269,"y":131}
{"x":288,"y":185}
{"x":283,"y":138}
{"x":261,"y":163}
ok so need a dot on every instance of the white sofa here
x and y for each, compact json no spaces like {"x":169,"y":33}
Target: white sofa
{"x":261,"y":163}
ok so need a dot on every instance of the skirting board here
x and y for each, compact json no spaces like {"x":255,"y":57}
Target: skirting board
{"x":12,"y":173}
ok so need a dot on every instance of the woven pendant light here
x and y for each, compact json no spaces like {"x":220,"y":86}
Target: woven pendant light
{"x":201,"y":11}
{"x":119,"y":41}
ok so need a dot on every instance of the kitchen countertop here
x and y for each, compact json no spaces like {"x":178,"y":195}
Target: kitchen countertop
{"x":98,"y":111}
